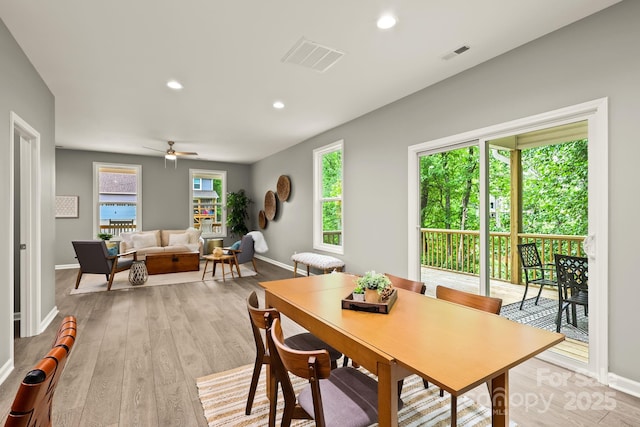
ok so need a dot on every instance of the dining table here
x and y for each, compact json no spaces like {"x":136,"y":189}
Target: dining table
{"x":452,"y":346}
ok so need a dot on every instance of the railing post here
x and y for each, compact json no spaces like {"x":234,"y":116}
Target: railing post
{"x":515,"y":159}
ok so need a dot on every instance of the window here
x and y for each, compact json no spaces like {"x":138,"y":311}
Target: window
{"x":327,"y":213}
{"x":208,"y":199}
{"x":117,"y":198}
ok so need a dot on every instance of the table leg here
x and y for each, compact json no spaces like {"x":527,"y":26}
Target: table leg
{"x":223,"y":277}
{"x":500,"y":400}
{"x":387,"y":395}
{"x":205,"y":268}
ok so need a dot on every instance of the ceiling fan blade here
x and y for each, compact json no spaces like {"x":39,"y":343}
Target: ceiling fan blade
{"x":185,"y":153}
{"x":154,"y":149}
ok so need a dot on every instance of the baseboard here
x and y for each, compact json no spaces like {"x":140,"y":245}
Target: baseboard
{"x":280,"y":264}
{"x":67,"y":266}
{"x":48,"y":319}
{"x":624,"y":385}
{"x":6,"y":370}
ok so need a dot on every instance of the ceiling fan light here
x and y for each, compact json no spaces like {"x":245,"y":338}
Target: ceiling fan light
{"x":174,"y":84}
{"x":170,"y":156}
{"x":386,"y":21}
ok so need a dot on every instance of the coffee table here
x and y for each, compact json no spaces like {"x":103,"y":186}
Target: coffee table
{"x":231,"y":260}
{"x":161,"y":263}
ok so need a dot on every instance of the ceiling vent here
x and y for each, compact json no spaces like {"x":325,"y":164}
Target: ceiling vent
{"x":458,"y":51}
{"x":312,"y":55}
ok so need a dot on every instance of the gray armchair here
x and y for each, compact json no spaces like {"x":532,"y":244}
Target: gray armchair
{"x":245,"y":253}
{"x":95,"y":259}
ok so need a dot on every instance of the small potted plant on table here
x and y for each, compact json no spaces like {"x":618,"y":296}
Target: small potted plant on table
{"x":376,"y":286}
{"x":112,"y":247}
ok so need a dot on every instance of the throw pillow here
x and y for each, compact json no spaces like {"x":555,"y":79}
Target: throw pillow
{"x":178,"y":239}
{"x":141,"y":241}
{"x":194,"y":234}
{"x":235,"y":246}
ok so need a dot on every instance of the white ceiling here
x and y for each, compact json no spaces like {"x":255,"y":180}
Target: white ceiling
{"x":107,"y":63}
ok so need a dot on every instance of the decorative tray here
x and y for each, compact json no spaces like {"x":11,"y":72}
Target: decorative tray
{"x":372,"y":307}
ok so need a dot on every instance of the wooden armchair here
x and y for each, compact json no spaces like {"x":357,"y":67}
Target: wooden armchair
{"x":95,"y":259}
{"x":332,"y":396}
{"x":245,"y":253}
{"x":259,"y":322}
{"x":33,"y":402}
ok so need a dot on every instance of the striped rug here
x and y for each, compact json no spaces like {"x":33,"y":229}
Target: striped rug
{"x":224,"y":396}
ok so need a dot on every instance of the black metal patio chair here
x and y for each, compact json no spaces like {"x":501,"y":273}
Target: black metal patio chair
{"x":534,"y":270}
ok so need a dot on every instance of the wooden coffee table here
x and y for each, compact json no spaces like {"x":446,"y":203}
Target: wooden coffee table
{"x":161,"y":263}
{"x":230,"y":260}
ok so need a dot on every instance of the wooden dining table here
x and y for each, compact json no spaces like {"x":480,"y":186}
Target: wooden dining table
{"x":455,"y":347}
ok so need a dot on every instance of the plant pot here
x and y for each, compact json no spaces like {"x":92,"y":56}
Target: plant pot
{"x":358,"y":297}
{"x":371,"y":295}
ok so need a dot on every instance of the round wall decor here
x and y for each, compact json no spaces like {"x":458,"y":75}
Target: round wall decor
{"x":283,"y":188}
{"x":270,"y":205}
{"x":262,"y":219}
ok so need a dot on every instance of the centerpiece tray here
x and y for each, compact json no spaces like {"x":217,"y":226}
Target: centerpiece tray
{"x":372,"y":307}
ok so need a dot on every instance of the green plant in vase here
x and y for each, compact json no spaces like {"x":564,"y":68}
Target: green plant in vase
{"x":105,"y":236}
{"x":374,"y":284}
{"x":358,"y":292}
{"x":112,"y":247}
{"x":237,"y":213}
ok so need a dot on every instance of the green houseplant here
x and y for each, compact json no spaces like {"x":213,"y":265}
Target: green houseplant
{"x":374,"y":284}
{"x":237,"y":212}
{"x":105,"y":236}
{"x":112,"y":247}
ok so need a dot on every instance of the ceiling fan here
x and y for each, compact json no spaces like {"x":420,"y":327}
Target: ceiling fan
{"x":171,"y":154}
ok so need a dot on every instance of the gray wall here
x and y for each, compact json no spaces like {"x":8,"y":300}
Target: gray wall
{"x":24,"y":92}
{"x":165,"y":192}
{"x":596,"y":57}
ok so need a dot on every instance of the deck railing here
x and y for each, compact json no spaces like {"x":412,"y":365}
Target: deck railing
{"x":459,"y":250}
{"x":333,"y":237}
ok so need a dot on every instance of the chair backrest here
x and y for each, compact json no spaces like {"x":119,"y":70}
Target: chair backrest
{"x":246,"y":246}
{"x":259,"y":320}
{"x":34,"y":399}
{"x":529,"y":256}
{"x":93,"y":256}
{"x":409,"y":285}
{"x":480,"y":302}
{"x":313,"y":365}
{"x":573,"y":273}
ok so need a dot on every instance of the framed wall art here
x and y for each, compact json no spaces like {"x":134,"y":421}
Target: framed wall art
{"x":66,"y":206}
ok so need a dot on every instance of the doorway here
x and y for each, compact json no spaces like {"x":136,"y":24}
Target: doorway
{"x":594,"y":114}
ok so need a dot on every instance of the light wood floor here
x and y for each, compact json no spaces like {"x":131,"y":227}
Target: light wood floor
{"x":139,"y":352}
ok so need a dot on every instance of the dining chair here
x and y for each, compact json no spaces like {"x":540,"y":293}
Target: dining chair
{"x":302,"y":341}
{"x":409,"y":285}
{"x":33,"y":402}
{"x":534,"y":269}
{"x":333,"y":398}
{"x":573,"y":286}
{"x":94,"y":258}
{"x":479,"y":302}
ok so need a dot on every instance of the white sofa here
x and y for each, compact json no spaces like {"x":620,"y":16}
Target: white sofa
{"x":162,"y":241}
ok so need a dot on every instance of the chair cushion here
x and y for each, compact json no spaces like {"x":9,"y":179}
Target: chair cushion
{"x":349,"y":398}
{"x":307,"y":341}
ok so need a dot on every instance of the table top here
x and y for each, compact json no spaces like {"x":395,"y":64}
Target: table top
{"x":453,"y":346}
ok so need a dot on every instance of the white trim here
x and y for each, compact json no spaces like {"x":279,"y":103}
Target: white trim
{"x":624,"y":385}
{"x":7,"y":368}
{"x":596,"y":112}
{"x":50,"y":317}
{"x":223,"y":200}
{"x":317,"y":195}
{"x":66,"y":266}
{"x":95,"y":207}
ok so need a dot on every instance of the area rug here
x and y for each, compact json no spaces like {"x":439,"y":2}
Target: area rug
{"x":543,"y":316}
{"x":224,"y":397}
{"x":98,"y":282}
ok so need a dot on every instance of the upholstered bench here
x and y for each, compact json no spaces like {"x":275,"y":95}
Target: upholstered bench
{"x":322,"y":262}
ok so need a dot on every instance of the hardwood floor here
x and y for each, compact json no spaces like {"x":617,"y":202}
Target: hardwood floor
{"x":139,"y":352}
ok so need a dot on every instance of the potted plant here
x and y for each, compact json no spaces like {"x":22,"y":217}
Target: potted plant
{"x":358,"y":292}
{"x":105,"y":236}
{"x":374,"y":285}
{"x":237,"y":212}
{"x":112,"y":247}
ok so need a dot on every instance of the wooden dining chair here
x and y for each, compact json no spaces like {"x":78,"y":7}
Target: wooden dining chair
{"x":333,"y":398}
{"x":409,"y":285}
{"x":479,"y":302}
{"x":32,"y":405}
{"x":302,"y":341}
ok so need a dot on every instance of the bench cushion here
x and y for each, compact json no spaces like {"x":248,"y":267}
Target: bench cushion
{"x":318,"y":261}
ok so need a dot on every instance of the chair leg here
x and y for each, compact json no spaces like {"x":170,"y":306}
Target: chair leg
{"x":425,"y":383}
{"x":253,"y":261}
{"x":454,"y":410}
{"x":254,"y":385}
{"x":78,"y":278}
{"x":526,"y":288}
{"x":539,"y":293}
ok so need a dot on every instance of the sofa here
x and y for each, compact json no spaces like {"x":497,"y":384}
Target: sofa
{"x":162,"y":241}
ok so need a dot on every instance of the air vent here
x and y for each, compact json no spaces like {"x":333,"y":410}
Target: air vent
{"x":456,"y":52}
{"x":312,"y":55}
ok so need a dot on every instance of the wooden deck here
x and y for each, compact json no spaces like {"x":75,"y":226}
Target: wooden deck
{"x":509,"y":293}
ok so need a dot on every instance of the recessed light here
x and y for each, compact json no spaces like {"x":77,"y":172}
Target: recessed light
{"x":174,"y":84}
{"x":278,"y":105}
{"x":386,"y":21}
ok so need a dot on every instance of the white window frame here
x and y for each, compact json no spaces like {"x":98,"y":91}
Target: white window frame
{"x":222,"y":199}
{"x":318,"y":200}
{"x":96,"y":193}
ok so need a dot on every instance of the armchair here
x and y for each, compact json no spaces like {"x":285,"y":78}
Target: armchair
{"x":573,"y":286}
{"x":534,"y":270}
{"x":95,"y":259}
{"x":244,"y":253}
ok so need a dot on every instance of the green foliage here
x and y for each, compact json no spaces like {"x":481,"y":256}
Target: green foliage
{"x":237,"y":212}
{"x":105,"y":236}
{"x":374,"y":281}
{"x":332,"y":188}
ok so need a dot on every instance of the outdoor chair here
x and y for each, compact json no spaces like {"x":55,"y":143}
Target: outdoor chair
{"x":95,"y":259}
{"x":34,"y":399}
{"x":332,"y":398}
{"x":479,"y":302}
{"x":573,"y":286}
{"x":304,"y":341}
{"x":534,"y":269}
{"x":245,"y":253}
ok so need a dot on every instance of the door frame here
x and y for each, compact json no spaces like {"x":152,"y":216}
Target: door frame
{"x":596,"y":113}
{"x":30,"y":287}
